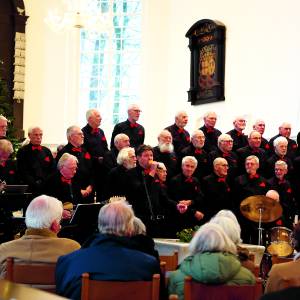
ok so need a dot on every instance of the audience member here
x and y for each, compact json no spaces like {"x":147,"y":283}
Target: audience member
{"x":212,"y":260}
{"x":108,"y":255}
{"x":40,"y":242}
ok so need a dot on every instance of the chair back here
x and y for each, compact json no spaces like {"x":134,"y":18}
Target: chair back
{"x":36,"y":274}
{"x":291,"y":282}
{"x":279,"y":260}
{"x":125,"y":290}
{"x":197,"y":291}
{"x":170,"y":260}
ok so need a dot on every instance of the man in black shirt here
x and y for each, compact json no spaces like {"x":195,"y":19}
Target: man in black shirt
{"x":239,"y":138}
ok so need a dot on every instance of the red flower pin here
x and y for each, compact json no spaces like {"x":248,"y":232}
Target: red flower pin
{"x":103,"y":138}
{"x":262,"y":184}
{"x":87,"y":155}
{"x":11,"y":172}
{"x":47,"y":159}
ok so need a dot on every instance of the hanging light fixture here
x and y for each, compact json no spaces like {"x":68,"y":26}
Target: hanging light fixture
{"x":93,"y":15}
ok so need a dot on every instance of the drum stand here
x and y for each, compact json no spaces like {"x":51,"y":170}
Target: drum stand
{"x":260,"y":229}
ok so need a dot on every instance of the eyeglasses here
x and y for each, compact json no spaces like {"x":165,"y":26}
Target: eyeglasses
{"x":227,"y":141}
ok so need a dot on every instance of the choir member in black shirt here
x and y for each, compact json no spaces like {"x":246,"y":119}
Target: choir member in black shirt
{"x":130,"y":127}
{"x":285,"y":130}
{"x":117,"y":178}
{"x":216,"y":189}
{"x":260,"y":126}
{"x":247,"y":185}
{"x":280,"y":184}
{"x":84,"y":175}
{"x":164,"y":153}
{"x":225,"y":143}
{"x":184,"y":188}
{"x":239,"y":138}
{"x":280,"y":153}
{"x":35,"y":162}
{"x":121,"y":141}
{"x":210,"y":132}
{"x":196,"y":149}
{"x":181,"y":137}
{"x":254,"y":141}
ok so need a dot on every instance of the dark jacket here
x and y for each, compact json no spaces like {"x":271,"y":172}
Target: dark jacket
{"x":105,"y":257}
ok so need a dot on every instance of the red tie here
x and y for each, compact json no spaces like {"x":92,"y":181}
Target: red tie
{"x":198,"y":151}
{"x":3,"y":164}
{"x":65,"y":180}
{"x":239,"y":133}
{"x":146,"y":171}
{"x":189,"y":179}
{"x":210,"y":130}
{"x":180,"y":130}
{"x":253,"y":176}
{"x":221,"y":179}
{"x":39,"y":148}
{"x":95,"y":131}
{"x":133,"y":125}
{"x":225,"y":154}
{"x":74,"y":149}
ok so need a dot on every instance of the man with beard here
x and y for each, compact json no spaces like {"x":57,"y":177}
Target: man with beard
{"x":260,"y":126}
{"x":117,"y":179}
{"x":164,"y":153}
{"x":196,"y":149}
{"x":239,"y":139}
{"x":210,"y":132}
{"x":130,"y":127}
{"x":181,"y":137}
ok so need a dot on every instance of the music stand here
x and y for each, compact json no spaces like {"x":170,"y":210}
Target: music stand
{"x":86,"y":214}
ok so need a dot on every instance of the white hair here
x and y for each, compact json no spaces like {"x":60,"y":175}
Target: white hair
{"x":219,"y":160}
{"x":254,"y":157}
{"x":189,"y":158}
{"x":90,"y":112}
{"x":116,"y":218}
{"x":280,"y":139}
{"x":124,"y":154}
{"x":196,"y":132}
{"x":71,"y":130}
{"x":229,"y":214}
{"x":211,"y":238}
{"x":281,"y":163}
{"x":6,"y":146}
{"x":224,"y":137}
{"x":231,"y":228}
{"x":64,"y":158}
{"x":208,"y":113}
{"x":30,"y":129}
{"x":179,"y":113}
{"x":3,"y":118}
{"x":119,"y":137}
{"x":42,"y":211}
{"x":139,"y":226}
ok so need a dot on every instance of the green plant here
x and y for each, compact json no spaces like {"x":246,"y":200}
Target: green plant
{"x":187,"y":234}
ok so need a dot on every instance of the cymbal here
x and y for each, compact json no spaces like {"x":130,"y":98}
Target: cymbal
{"x":270,"y":209}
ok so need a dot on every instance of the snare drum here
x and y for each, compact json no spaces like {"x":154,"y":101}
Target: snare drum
{"x":280,"y":241}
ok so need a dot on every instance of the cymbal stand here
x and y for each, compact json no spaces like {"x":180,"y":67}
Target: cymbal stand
{"x":260,"y":229}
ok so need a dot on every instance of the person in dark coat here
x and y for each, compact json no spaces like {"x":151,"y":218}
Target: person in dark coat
{"x":96,"y":145}
{"x":260,"y":126}
{"x":84,"y":175}
{"x":109,"y":255}
{"x":34,"y":161}
{"x":181,"y":137}
{"x":285,"y":130}
{"x":130,"y":127}
{"x":184,"y":188}
{"x":239,"y":138}
{"x":210,"y":132}
{"x":254,"y":141}
{"x":121,"y":141}
{"x":216,"y":189}
{"x":164,"y":153}
{"x":196,"y":149}
{"x":246,"y":185}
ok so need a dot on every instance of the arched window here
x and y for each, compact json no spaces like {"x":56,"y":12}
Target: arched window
{"x":110,"y":61}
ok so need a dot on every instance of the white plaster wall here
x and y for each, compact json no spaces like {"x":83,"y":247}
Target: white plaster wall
{"x":262,"y":60}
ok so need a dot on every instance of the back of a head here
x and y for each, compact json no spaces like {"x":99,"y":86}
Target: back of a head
{"x":211,"y":238}
{"x":116,"y":218}
{"x":42,"y":211}
{"x":139,"y":226}
{"x":229,"y":214}
{"x":230,"y":227}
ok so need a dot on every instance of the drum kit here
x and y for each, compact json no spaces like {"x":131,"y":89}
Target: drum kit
{"x":262,"y":209}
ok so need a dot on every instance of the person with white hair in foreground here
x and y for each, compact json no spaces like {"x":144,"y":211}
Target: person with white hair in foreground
{"x":109,"y":255}
{"x":40,"y":242}
{"x":212,"y":260}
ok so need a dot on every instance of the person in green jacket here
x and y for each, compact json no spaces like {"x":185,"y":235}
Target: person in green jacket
{"x":213,"y":260}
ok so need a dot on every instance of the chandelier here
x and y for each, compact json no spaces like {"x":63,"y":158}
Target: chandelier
{"x":93,"y":15}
